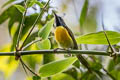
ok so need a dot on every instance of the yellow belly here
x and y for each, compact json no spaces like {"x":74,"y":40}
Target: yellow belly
{"x":63,"y":38}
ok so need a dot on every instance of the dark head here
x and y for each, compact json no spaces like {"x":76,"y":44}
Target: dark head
{"x":59,"y":21}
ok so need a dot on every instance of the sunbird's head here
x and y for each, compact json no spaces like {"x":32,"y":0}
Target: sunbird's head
{"x":59,"y":21}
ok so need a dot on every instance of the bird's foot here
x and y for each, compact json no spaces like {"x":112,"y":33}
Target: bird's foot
{"x":56,"y":49}
{"x":66,"y":55}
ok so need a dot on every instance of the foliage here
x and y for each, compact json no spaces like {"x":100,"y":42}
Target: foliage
{"x":55,"y":67}
{"x":20,"y":8}
{"x":84,"y":13}
{"x":45,"y":31}
{"x":50,"y":66}
{"x":62,"y":76}
{"x":99,"y":38}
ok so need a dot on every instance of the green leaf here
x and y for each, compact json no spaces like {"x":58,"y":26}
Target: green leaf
{"x":115,"y":74}
{"x":10,"y":12}
{"x":88,"y":76}
{"x":20,"y":8}
{"x":112,"y":65}
{"x":99,"y":38}
{"x":45,"y":31}
{"x":62,"y":76}
{"x":31,"y":38}
{"x":31,"y":3}
{"x":6,"y":14}
{"x":84,"y":13}
{"x":56,"y":66}
{"x":29,"y":20}
{"x":44,"y":44}
{"x":36,"y":78}
{"x":96,"y":66}
{"x":40,"y":4}
{"x":10,"y":24}
{"x":48,"y":58}
{"x":77,"y":64}
{"x":73,"y":72}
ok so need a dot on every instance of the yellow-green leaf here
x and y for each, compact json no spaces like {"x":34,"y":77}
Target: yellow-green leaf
{"x":36,"y":78}
{"x":44,"y":44}
{"x":20,"y":8}
{"x":45,"y":31}
{"x":40,"y":4}
{"x":56,"y":66}
{"x":84,"y":13}
{"x":62,"y":76}
{"x":99,"y":38}
{"x":31,"y":3}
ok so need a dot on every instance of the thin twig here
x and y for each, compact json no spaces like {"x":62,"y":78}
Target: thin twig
{"x":29,"y":44}
{"x":28,"y":68}
{"x":109,"y":74}
{"x":34,"y":24}
{"x":102,"y":53}
{"x":112,"y":49}
{"x":97,"y":75}
{"x":22,"y":24}
{"x":23,"y":67}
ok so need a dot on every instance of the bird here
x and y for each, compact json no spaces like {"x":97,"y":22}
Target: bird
{"x":66,"y":40}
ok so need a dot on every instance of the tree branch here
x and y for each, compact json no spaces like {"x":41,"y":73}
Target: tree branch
{"x":102,"y":53}
{"x":22,"y":24}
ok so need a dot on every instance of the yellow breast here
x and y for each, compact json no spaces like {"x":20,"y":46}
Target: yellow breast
{"x":63,"y":38}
